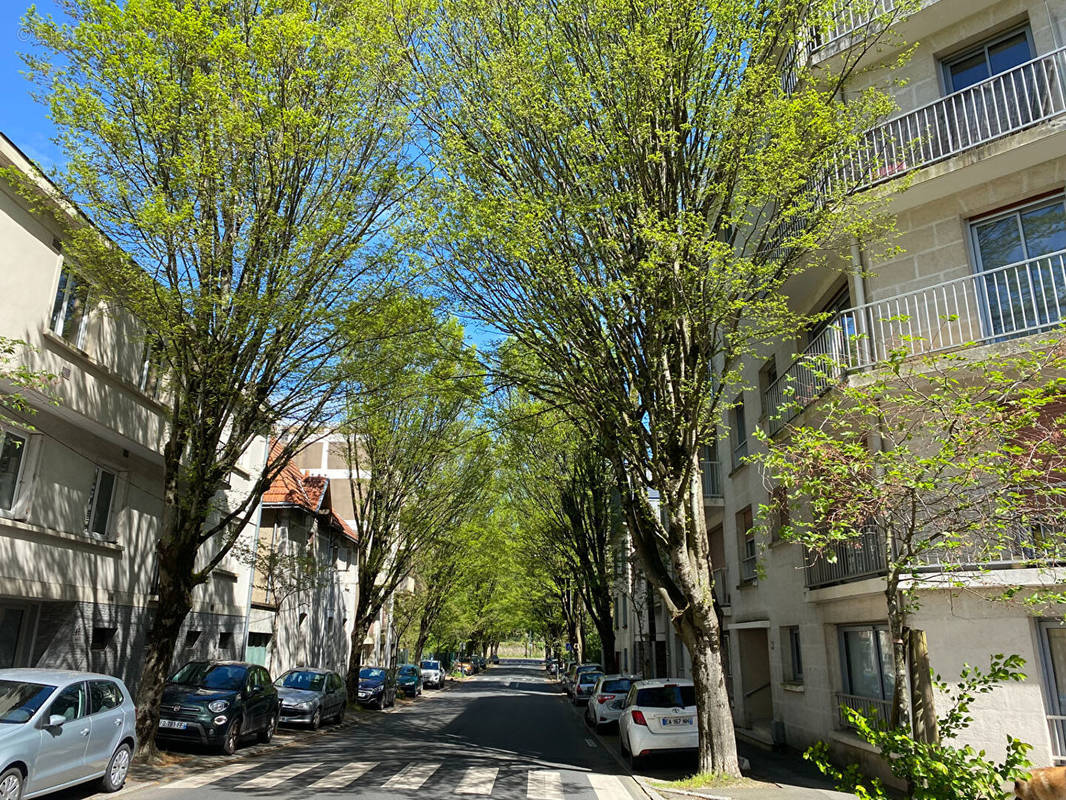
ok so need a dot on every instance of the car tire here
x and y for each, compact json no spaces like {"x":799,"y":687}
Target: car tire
{"x":118,"y":769}
{"x":316,"y":719}
{"x":232,"y":740}
{"x":267,"y":733}
{"x":380,"y":705}
{"x":11,"y":784}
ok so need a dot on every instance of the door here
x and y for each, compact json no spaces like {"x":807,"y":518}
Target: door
{"x":253,"y":704}
{"x":107,"y":715}
{"x":337,"y":695}
{"x":270,"y":697}
{"x":257,"y":648}
{"x":61,"y":756}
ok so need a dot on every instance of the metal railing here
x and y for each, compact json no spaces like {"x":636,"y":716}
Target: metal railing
{"x":1057,"y":728}
{"x":721,"y":586}
{"x":711,"y":475}
{"x":861,"y":557}
{"x":867,"y":706}
{"x":847,"y":20}
{"x":1005,"y":103}
{"x":1014,"y":300}
{"x":749,"y":569}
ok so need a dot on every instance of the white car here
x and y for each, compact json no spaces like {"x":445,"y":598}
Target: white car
{"x":432,"y":674}
{"x":605,"y":703}
{"x":60,"y":728}
{"x":658,"y":716}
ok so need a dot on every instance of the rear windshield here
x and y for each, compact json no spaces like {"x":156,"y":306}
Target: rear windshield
{"x":430,"y":665}
{"x":589,"y":677}
{"x":666,"y":697}
{"x":616,"y":686}
{"x":409,"y":669}
{"x":302,"y":679}
{"x":19,"y":701}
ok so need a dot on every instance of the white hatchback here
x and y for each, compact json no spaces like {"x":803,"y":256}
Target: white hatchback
{"x":605,"y":703}
{"x":658,"y":716}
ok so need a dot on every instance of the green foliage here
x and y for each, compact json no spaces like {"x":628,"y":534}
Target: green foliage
{"x":17,"y":377}
{"x":938,"y":771}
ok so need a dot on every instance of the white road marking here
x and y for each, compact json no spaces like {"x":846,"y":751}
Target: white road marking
{"x":412,"y":776}
{"x":340,"y":778}
{"x":544,"y":785}
{"x":590,"y":743}
{"x":204,"y":778}
{"x":477,"y":780}
{"x":608,"y":787}
{"x":276,"y":777}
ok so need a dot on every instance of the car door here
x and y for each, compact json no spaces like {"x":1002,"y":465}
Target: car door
{"x":61,"y":754}
{"x":623,"y":718}
{"x":269,"y":697}
{"x":106,"y":713}
{"x":338,"y":696}
{"x":253,"y":701}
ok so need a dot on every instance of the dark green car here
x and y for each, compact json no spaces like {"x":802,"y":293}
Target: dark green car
{"x":409,"y":680}
{"x":216,"y":703}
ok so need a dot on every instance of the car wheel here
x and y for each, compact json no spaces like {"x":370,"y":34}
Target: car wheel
{"x":233,"y":738}
{"x":267,"y":733}
{"x":11,"y":784}
{"x":635,"y":761}
{"x":117,"y":770}
{"x":380,"y":705}
{"x":316,"y":719}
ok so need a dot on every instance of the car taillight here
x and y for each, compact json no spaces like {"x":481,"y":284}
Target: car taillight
{"x":603,"y":698}
{"x":638,"y":719}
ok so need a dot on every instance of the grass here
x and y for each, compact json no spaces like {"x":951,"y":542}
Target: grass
{"x":708,"y":780}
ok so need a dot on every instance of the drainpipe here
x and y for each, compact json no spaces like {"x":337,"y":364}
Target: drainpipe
{"x":255,"y":554}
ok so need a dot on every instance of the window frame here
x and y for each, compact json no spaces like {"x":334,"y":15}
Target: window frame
{"x":738,"y":420}
{"x":83,"y":704}
{"x":20,"y":473}
{"x":845,"y":674}
{"x":60,"y":308}
{"x":794,"y":644}
{"x":946,"y":62}
{"x":94,"y":504}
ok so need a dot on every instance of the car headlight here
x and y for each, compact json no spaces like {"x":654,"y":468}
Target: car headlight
{"x":217,"y":706}
{"x":304,"y":706}
{"x":377,"y":689}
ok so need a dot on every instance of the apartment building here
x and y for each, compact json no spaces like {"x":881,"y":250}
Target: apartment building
{"x":81,"y":477}
{"x":981,"y":135}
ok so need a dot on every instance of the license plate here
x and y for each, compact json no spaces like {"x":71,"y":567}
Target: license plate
{"x":676,"y":721}
{"x":173,"y":723}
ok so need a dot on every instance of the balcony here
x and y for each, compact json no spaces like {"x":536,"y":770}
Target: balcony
{"x":1006,"y":103}
{"x":847,"y":21}
{"x":721,"y":586}
{"x":711,"y":475}
{"x":867,"y":706}
{"x":862,"y":557}
{"x":992,"y":306}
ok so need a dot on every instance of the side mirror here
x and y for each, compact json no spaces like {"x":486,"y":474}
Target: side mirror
{"x":56,"y":720}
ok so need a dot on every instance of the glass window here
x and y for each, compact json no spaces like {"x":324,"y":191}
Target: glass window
{"x":795,"y":655}
{"x":867,"y":662}
{"x":991,"y":58}
{"x":667,"y":697}
{"x":211,"y":676}
{"x":617,"y":686}
{"x":19,"y":700}
{"x":68,"y":310}
{"x":69,"y":703}
{"x":104,"y":695}
{"x":12,"y":453}
{"x":100,"y":498}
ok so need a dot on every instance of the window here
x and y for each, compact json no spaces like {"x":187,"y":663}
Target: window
{"x":151,"y":369}
{"x":866,"y":661}
{"x":69,"y":308}
{"x":746,"y":542}
{"x":779,"y":517}
{"x":625,"y":612}
{"x":102,"y":637}
{"x":191,"y":638}
{"x":767,"y":388}
{"x":1024,"y":285}
{"x":104,"y":695}
{"x":70,"y":703}
{"x":344,"y":558}
{"x":740,"y":432}
{"x":990,"y":58}
{"x":712,"y":484}
{"x":98,"y":514}
{"x":225,"y":640}
{"x":793,"y":656}
{"x":12,"y":455}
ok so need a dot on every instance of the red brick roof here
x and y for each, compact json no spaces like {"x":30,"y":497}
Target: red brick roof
{"x":346,"y":529}
{"x":292,"y":488}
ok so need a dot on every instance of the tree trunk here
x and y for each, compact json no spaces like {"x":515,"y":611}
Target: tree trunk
{"x":355,"y":658}
{"x":922,"y":698}
{"x":899,"y":715}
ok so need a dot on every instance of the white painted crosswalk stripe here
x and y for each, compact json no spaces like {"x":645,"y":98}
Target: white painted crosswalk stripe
{"x":340,"y":778}
{"x":608,"y":787}
{"x":412,"y":776}
{"x":544,"y":785}
{"x":276,"y":777}
{"x":204,"y":778}
{"x":477,"y":780}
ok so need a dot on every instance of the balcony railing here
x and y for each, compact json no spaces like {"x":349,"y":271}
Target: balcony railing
{"x":848,"y":20}
{"x":1014,"y":300}
{"x":711,"y":474}
{"x":1005,"y":103}
{"x":867,"y":706}
{"x":749,"y":569}
{"x":721,"y":586}
{"x":862,"y":557}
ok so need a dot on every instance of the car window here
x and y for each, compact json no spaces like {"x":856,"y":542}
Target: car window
{"x":19,"y":701}
{"x":631,"y":696}
{"x":264,"y":676}
{"x":69,"y":703}
{"x":302,"y":679}
{"x":616,"y":686}
{"x":376,"y":673}
{"x":205,"y":675}
{"x":589,"y":677}
{"x":409,"y":669}
{"x":666,"y":697}
{"x":430,"y":665}
{"x":104,"y":696}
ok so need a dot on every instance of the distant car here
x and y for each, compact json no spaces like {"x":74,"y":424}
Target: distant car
{"x":377,"y":687}
{"x":604,"y":705}
{"x":584,"y":685}
{"x":495,"y":659}
{"x":409,"y":680}
{"x":61,"y":728}
{"x":479,"y":662}
{"x":466,"y":666}
{"x":216,"y":703}
{"x":658,"y":716}
{"x":432,"y":674}
{"x":575,"y":671}
{"x":564,"y":672}
{"x":311,"y":696}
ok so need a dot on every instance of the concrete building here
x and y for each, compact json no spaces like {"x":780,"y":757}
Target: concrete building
{"x":81,"y":478}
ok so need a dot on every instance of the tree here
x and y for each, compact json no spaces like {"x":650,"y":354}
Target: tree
{"x":238,"y":161}
{"x":417,"y":463}
{"x":626,"y":189}
{"x":16,"y":378}
{"x":931,"y":467}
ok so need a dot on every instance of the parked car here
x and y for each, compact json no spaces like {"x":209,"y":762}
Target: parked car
{"x":604,"y":704}
{"x":216,"y":703}
{"x":658,"y":716}
{"x":495,"y":659}
{"x":482,"y":665}
{"x":409,"y":680}
{"x":432,"y":674}
{"x":466,"y":666}
{"x":311,"y":696}
{"x":586,"y":682}
{"x":564,"y":670}
{"x":61,"y":728}
{"x":576,"y":670}
{"x":377,"y":687}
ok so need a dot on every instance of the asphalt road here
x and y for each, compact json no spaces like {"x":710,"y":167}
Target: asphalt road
{"x":507,"y":733}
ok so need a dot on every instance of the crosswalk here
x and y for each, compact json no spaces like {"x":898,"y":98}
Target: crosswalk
{"x":379,"y":777}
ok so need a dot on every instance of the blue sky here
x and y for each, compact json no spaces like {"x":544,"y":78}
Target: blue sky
{"x":23,"y":121}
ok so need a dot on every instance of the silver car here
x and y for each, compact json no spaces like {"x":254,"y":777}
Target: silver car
{"x":60,"y":728}
{"x":311,"y":696}
{"x":604,"y":706}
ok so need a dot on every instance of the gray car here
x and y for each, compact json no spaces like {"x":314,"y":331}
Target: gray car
{"x":60,"y":728}
{"x":311,"y":696}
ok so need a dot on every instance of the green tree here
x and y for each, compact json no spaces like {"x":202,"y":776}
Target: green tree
{"x":16,"y":378}
{"x":243,"y":157}
{"x":626,"y":189}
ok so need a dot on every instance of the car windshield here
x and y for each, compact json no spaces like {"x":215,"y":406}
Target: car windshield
{"x":205,"y":675}
{"x":19,"y":701}
{"x":372,"y":672}
{"x":430,"y":665}
{"x":302,"y":679}
{"x":589,"y":677}
{"x":666,"y":697}
{"x":617,"y":686}
{"x":409,"y":670}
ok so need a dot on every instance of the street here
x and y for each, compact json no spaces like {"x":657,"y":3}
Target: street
{"x":507,"y":733}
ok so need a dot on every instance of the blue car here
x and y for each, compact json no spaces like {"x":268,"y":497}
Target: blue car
{"x":377,"y":687}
